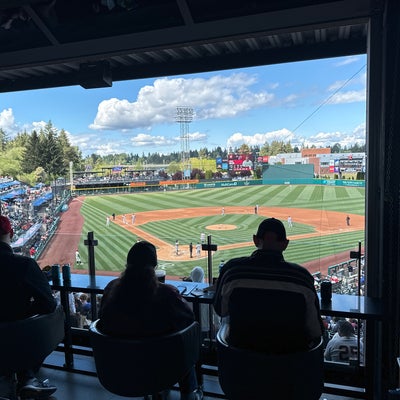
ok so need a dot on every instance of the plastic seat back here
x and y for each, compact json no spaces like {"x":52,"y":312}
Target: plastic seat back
{"x":249,"y":375}
{"x":267,"y":320}
{"x":270,"y":345}
{"x":26,"y":343}
{"x":140,"y":367}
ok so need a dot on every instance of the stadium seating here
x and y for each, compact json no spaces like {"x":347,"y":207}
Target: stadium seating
{"x":142,"y":367}
{"x":26,"y":343}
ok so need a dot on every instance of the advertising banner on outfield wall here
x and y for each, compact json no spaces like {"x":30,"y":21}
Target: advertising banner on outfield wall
{"x":208,"y":185}
{"x":326,"y":182}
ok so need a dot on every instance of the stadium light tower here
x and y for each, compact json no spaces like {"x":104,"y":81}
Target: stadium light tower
{"x":184,"y":116}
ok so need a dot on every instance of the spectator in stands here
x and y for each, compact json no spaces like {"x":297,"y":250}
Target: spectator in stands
{"x":271,"y":241}
{"x":24,"y":291}
{"x":137,"y":305}
{"x":85,"y":305}
{"x":197,"y":275}
{"x":343,"y":347}
{"x":32,"y":252}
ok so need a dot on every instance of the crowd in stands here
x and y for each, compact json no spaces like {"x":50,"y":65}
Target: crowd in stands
{"x":31,"y":211}
{"x":343,"y":277}
{"x":116,"y":177}
{"x":80,"y":306}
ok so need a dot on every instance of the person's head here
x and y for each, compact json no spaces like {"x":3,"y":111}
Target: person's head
{"x":197,"y":275}
{"x":271,"y":235}
{"x":140,"y":273}
{"x":142,"y":255}
{"x":6,"y":230}
{"x":83,"y":297}
{"x":345,"y":328}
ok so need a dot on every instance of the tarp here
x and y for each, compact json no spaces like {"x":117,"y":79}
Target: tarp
{"x":43,"y":199}
{"x":12,"y":194}
{"x":9,"y":184}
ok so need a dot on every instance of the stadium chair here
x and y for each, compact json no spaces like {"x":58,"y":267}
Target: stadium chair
{"x":262,"y":346}
{"x":26,"y":343}
{"x":249,"y":375}
{"x":144,"y":367}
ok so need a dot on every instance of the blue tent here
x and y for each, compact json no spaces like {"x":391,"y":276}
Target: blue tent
{"x":9,"y":184}
{"x":12,"y":194}
{"x":43,"y":199}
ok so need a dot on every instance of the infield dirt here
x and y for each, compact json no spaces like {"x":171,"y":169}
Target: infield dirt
{"x":61,"y":249}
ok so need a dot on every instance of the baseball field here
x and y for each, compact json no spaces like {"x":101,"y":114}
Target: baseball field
{"x":319,"y":237}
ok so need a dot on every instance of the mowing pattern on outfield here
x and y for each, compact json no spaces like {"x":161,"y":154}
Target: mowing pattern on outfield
{"x":115,"y":241}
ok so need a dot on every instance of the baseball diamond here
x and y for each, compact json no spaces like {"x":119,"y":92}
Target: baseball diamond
{"x":319,"y":236}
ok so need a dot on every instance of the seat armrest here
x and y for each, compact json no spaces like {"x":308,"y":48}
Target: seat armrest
{"x":223,"y":332}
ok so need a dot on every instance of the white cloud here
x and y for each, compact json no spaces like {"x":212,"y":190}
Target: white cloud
{"x":111,"y":144}
{"x":142,"y":140}
{"x":273,"y":85}
{"x":351,"y":96}
{"x":38,"y":125}
{"x":146,"y":140}
{"x":320,"y":139}
{"x":12,"y":128}
{"x":102,"y":145}
{"x":258,"y":139}
{"x":345,"y":139}
{"x":347,"y":61}
{"x":290,"y":100}
{"x":215,"y":97}
{"x":7,"y":121}
{"x":197,"y":137}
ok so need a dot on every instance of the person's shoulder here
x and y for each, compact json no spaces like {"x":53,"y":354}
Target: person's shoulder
{"x":167,"y":289}
{"x":238,"y":261}
{"x":298,"y":267}
{"x":112,"y":284}
{"x":21,"y":259}
{"x":233,"y":264}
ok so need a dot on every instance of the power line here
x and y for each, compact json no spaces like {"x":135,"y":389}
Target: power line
{"x":327,"y":99}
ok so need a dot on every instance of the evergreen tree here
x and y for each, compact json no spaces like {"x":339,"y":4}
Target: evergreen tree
{"x":32,"y":158}
{"x":3,"y":140}
{"x":70,"y":153}
{"x":52,"y":156}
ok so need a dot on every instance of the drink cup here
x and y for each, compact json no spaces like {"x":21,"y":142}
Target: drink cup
{"x":160,"y":274}
{"x":66,"y":273}
{"x":55,"y":274}
{"x":326,"y":292}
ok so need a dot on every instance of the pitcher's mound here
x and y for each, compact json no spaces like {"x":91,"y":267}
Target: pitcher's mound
{"x":221,"y":227}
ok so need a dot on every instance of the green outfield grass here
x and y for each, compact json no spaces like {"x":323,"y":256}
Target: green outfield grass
{"x":114,"y":241}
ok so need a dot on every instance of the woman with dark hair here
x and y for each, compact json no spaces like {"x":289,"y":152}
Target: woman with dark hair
{"x":137,"y":305}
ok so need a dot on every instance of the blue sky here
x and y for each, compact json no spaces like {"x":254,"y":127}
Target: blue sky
{"x":319,"y":102}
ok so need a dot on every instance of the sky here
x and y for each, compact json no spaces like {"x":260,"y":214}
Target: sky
{"x":319,"y":102}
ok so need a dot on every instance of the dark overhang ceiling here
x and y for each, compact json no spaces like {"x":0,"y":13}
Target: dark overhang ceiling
{"x":49,"y":43}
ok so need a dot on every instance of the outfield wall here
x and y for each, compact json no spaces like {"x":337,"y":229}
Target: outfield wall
{"x":294,"y":181}
{"x":190,"y":185}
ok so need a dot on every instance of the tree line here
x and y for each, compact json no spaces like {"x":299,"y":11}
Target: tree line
{"x":44,"y":155}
